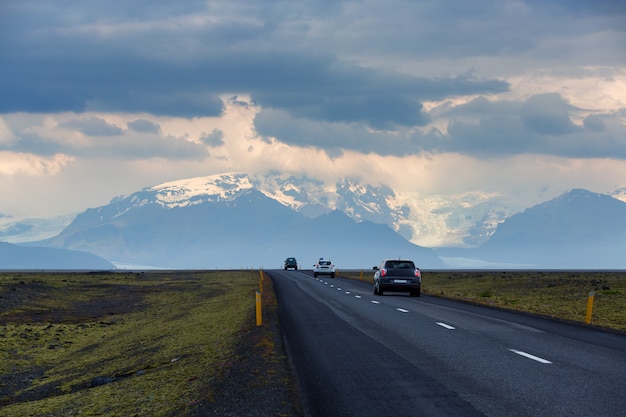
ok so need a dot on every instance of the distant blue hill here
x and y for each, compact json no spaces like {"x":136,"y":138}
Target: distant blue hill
{"x":579,"y":229}
{"x":37,"y":258}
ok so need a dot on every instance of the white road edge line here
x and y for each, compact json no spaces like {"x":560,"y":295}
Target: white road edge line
{"x":447,"y":326}
{"x":401,"y":310}
{"x":529,"y":356}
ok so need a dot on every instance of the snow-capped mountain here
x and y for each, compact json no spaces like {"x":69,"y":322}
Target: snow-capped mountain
{"x":237,"y":219}
{"x":423,"y":222}
{"x":225,"y":221}
{"x":619,"y":194}
{"x":578,"y":229}
{"x":463,"y":220}
{"x":460,"y":220}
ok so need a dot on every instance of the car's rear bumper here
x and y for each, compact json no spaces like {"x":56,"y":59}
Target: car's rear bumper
{"x":409,"y":287}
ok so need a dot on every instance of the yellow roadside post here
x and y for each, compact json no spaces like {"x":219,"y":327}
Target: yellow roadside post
{"x":259,"y":311}
{"x":361,"y":275}
{"x":589,"y":307}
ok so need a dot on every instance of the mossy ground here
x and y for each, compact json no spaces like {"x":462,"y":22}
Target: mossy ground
{"x":128,"y":344}
{"x":560,"y":294}
{"x":185,"y":343}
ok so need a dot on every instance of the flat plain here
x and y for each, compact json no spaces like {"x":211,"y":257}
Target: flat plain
{"x":186,"y":343}
{"x":132,"y":344}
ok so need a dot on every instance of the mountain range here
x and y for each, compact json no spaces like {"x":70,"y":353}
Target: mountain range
{"x":578,"y":229}
{"x":458,"y":220}
{"x":237,"y":220}
{"x":227,"y":222}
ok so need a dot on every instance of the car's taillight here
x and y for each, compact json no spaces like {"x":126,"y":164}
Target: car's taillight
{"x":417,"y":273}
{"x":383,"y":272}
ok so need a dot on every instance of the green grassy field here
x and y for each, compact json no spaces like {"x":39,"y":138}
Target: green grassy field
{"x":560,"y":294}
{"x":162,"y":343}
{"x":163,"y":338}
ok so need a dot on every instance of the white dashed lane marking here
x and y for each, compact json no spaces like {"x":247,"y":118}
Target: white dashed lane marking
{"x":529,"y":356}
{"x":447,"y":326}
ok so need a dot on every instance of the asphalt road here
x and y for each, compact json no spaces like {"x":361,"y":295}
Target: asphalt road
{"x":358,"y":354}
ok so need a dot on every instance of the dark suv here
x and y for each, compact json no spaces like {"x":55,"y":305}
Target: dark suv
{"x":397,"y":275}
{"x":291,"y":263}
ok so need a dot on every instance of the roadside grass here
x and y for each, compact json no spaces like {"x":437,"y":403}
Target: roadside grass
{"x":163,"y":343}
{"x":559,"y":294}
{"x":124,"y":344}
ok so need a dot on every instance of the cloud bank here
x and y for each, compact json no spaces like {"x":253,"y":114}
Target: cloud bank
{"x":524,"y":99}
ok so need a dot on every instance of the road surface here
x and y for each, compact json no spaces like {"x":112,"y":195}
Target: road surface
{"x":358,"y":354}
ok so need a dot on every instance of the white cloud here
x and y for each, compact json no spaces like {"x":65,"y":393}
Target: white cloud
{"x":593,"y":89}
{"x":6,"y":135}
{"x":12,"y":163}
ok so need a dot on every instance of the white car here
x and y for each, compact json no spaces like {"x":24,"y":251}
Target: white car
{"x":324,"y":267}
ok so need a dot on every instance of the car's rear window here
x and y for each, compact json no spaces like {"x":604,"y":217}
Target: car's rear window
{"x":324,"y":262}
{"x":400,"y":265}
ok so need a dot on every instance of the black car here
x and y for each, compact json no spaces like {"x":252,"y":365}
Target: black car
{"x":291,"y":263}
{"x":399,"y":275}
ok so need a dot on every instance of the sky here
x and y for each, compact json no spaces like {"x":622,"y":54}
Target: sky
{"x":520,"y":99}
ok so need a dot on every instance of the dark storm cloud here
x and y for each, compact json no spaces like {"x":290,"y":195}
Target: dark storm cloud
{"x":141,"y":140}
{"x":213,"y":139}
{"x":93,"y":126}
{"x":146,"y":126}
{"x":323,"y":72}
{"x":482,"y":128}
{"x":543,"y":124}
{"x":112,"y":56}
{"x":30,"y":142}
{"x":594,"y":123}
{"x":333,"y":137}
{"x":578,"y":8}
{"x":547,"y":114}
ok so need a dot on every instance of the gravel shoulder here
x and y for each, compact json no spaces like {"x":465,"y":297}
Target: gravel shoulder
{"x":260,"y":382}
